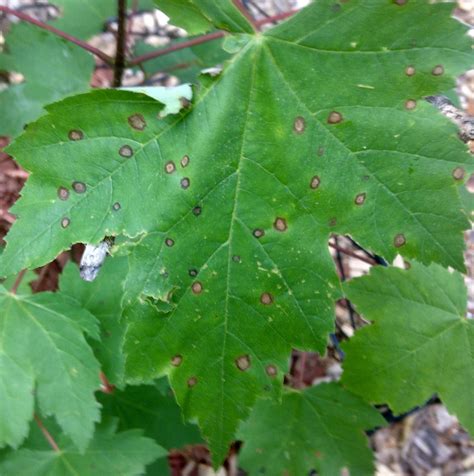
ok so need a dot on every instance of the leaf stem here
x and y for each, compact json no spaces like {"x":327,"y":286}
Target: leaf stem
{"x":178,"y":46}
{"x":18,"y":281}
{"x":246,"y":14}
{"x":82,"y":44}
{"x":119,"y":64}
{"x":47,"y":434}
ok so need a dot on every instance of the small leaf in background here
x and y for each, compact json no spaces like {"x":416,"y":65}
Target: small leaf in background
{"x":185,"y":64}
{"x":320,"y":428}
{"x":420,"y":342}
{"x":230,"y":204}
{"x":199,"y":16}
{"x":53,"y":69}
{"x":102,"y":298}
{"x":158,"y":414}
{"x":43,"y":348}
{"x":108,"y":454}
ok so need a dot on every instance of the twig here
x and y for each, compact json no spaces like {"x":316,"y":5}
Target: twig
{"x":378,"y":259}
{"x":245,"y":13}
{"x":351,"y":253}
{"x":47,"y":434}
{"x":343,"y":278}
{"x":17,"y":282}
{"x":119,"y":64}
{"x":82,"y":44}
{"x":275,"y":18}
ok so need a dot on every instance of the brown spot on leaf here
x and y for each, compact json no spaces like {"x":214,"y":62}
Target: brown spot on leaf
{"x":438,"y":70}
{"x":236,"y":259}
{"x":126,"y":151}
{"x":360,"y":199}
{"x":196,"y":287}
{"x":271,"y":370}
{"x":63,"y":193}
{"x":410,"y":70}
{"x":334,"y":117}
{"x":116,"y":206}
{"x":280,"y":224}
{"x":197,"y":211}
{"x":193,"y":272}
{"x":333,"y":221}
{"x":170,"y":167}
{"x":169,"y":242}
{"x":185,"y":182}
{"x":65,"y":222}
{"x":176,"y":360}
{"x":137,"y":121}
{"x":243,"y":362}
{"x":410,"y":104}
{"x":79,"y":187}
{"x":258,"y":233}
{"x":315,"y":182}
{"x":458,"y":173}
{"x":266,"y":299}
{"x":399,"y":240}
{"x":321,"y":151}
{"x":400,"y":2}
{"x":192,"y":381}
{"x":75,"y":134}
{"x":185,"y":161}
{"x":299,"y":125}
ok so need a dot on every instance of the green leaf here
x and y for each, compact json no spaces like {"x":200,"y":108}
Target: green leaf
{"x":230,"y":204}
{"x":185,"y":64}
{"x":53,"y":69}
{"x":144,"y":406}
{"x":421,"y":342}
{"x":320,"y":428}
{"x":108,"y":454}
{"x":44,"y":353}
{"x":199,"y":16}
{"x":102,"y":298}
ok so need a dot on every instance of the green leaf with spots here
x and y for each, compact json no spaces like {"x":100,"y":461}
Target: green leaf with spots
{"x":109,"y":454}
{"x":199,"y":16}
{"x":102,"y":298}
{"x":43,"y":354}
{"x":53,"y":69}
{"x":320,"y":428}
{"x":229,"y":204}
{"x":420,"y":344}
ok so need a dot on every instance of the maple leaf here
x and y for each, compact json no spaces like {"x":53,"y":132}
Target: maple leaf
{"x":43,"y":348}
{"x":52,"y":70}
{"x":231,"y":202}
{"x":420,"y":343}
{"x":109,"y":453}
{"x":320,"y":428}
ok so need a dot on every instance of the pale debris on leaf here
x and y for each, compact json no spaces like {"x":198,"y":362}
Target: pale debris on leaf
{"x":93,"y":258}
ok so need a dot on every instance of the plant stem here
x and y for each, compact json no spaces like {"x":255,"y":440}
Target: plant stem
{"x":351,"y":253}
{"x":246,"y":14}
{"x":275,"y":18}
{"x":17,"y":282}
{"x":47,"y":434}
{"x":178,"y":46}
{"x":82,"y":44}
{"x":119,"y":64}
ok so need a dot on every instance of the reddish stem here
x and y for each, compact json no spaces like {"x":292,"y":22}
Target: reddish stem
{"x":47,"y":434}
{"x":178,"y":46}
{"x":82,"y":44}
{"x":275,"y":18}
{"x":17,"y":282}
{"x":246,"y":14}
{"x":106,"y":386}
